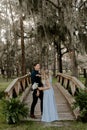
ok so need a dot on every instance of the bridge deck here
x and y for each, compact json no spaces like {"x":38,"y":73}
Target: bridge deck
{"x":63,"y":108}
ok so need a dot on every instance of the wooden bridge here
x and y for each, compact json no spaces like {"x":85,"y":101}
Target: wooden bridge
{"x":65,"y":89}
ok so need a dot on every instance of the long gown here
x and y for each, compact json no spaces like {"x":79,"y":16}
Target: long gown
{"x":49,"y":105}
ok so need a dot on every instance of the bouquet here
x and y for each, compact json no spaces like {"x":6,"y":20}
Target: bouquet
{"x":35,"y":86}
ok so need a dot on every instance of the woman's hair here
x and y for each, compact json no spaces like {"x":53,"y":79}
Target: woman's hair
{"x":45,"y":74}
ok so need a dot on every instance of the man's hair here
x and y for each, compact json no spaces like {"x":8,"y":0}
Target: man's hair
{"x":35,"y":63}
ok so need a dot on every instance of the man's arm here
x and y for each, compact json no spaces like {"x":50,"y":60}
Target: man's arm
{"x":33,"y":77}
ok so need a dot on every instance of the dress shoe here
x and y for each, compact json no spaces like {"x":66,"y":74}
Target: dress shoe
{"x":33,"y":116}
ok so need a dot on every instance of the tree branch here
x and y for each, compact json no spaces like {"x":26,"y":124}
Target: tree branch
{"x":52,"y":4}
{"x":24,"y":36}
{"x":82,"y":4}
{"x":62,"y":48}
{"x":65,"y":52}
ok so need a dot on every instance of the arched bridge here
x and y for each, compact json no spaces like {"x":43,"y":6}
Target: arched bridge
{"x":65,"y":89}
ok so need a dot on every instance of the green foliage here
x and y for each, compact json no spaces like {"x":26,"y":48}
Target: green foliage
{"x":81,"y":102}
{"x":14,"y":110}
{"x":82,"y":79}
{"x":1,"y":94}
{"x":3,"y":85}
{"x":54,"y":80}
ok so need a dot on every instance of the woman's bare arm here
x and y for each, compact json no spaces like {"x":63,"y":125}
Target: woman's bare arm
{"x":45,"y":87}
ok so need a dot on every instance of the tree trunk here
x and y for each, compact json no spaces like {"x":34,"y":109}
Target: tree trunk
{"x":86,"y":80}
{"x":47,"y":55}
{"x":59,"y":56}
{"x":74,"y":66}
{"x":22,"y":47}
{"x":54,"y":66}
{"x":84,"y":73}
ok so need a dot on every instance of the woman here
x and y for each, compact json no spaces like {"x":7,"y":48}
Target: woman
{"x":49,"y":105}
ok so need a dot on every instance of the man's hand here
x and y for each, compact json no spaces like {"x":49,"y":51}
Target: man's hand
{"x":38,"y":93}
{"x":38,"y":75}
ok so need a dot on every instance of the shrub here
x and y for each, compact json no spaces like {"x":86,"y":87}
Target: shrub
{"x":81,"y":102}
{"x":14,"y":110}
{"x":1,"y":94}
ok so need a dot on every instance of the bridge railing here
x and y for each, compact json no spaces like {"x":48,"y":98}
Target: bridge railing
{"x":18,"y":87}
{"x":69,"y":86}
{"x":72,"y":84}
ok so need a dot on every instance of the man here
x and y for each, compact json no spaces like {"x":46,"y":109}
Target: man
{"x":36,"y":78}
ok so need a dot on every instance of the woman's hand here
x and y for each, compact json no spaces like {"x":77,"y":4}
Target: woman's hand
{"x":39,"y":88}
{"x":43,"y":88}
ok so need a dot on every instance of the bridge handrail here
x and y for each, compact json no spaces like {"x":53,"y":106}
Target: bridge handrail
{"x":17,"y":86}
{"x":71,"y":83}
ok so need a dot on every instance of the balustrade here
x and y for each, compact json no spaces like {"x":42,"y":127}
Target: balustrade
{"x":18,"y":86}
{"x":72,"y":84}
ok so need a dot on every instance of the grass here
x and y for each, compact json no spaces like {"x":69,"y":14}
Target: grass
{"x":54,"y":80}
{"x":82,"y":79}
{"x":31,"y":125}
{"x":4,"y":83}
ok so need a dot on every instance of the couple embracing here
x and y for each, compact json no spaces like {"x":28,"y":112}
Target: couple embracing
{"x":45,"y":93}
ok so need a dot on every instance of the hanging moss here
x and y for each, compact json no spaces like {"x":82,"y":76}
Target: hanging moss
{"x":83,"y":40}
{"x":33,"y":5}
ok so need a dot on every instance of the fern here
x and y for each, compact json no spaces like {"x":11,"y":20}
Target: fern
{"x":14,"y":110}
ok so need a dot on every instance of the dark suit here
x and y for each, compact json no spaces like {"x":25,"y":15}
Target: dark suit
{"x":37,"y":79}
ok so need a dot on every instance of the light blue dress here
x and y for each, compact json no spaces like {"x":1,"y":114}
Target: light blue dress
{"x":49,"y":106}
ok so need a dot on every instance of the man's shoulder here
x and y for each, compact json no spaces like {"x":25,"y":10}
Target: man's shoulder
{"x":33,"y":72}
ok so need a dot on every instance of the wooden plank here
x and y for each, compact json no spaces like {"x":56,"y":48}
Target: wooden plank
{"x":68,"y":98}
{"x":63,"y":108}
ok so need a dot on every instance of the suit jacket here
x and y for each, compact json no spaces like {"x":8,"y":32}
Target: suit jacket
{"x":36,"y":78}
